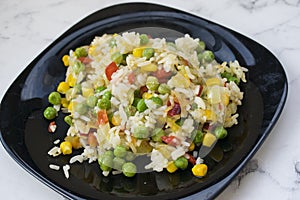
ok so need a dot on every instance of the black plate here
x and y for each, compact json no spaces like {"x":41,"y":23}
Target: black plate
{"x":24,"y":130}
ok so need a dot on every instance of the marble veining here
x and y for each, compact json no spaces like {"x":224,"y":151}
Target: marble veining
{"x":28,"y":27}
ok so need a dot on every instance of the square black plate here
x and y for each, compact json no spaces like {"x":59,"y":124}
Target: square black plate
{"x":24,"y":130}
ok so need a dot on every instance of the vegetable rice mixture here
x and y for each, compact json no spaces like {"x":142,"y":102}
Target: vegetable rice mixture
{"x":129,"y":95}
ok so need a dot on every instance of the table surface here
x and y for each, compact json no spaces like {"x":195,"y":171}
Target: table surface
{"x":28,"y":27}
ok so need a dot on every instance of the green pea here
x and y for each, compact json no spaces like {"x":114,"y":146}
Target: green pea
{"x":109,"y":153}
{"x":157,"y":134}
{"x":104,"y":103}
{"x":208,"y":56}
{"x":164,"y":89}
{"x":91,"y":101}
{"x":81,"y":108}
{"x":107,"y":95}
{"x":105,"y":162}
{"x":144,"y":39}
{"x":120,"y":151}
{"x":141,"y":105}
{"x":117,"y":57}
{"x":157,"y":100}
{"x":129,"y":169}
{"x":181,"y":162}
{"x":54,"y":98}
{"x":78,"y":67}
{"x":220,"y":132}
{"x":141,"y":132}
{"x":100,"y":89}
{"x":81,"y":52}
{"x":50,"y":113}
{"x":148,"y":53}
{"x":130,"y":156}
{"x":197,"y":136}
{"x":118,"y":163}
{"x":152,"y":83}
{"x":201,"y":47}
{"x":68,"y":119}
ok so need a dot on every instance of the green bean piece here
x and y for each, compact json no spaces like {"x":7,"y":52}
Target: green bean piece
{"x":144,"y":39}
{"x":68,"y":119}
{"x":106,"y":162}
{"x":157,"y":100}
{"x":100,"y":89}
{"x":230,"y":77}
{"x":141,"y":132}
{"x":104,"y":103}
{"x":91,"y":101}
{"x":181,"y":163}
{"x":129,"y":169}
{"x":197,"y":136}
{"x":81,"y":108}
{"x":148,"y":53}
{"x":54,"y":98}
{"x":117,"y":57}
{"x":120,"y":151}
{"x":164,"y":89}
{"x":80,"y":52}
{"x":208,"y":56}
{"x":201,"y":47}
{"x":157,"y":134}
{"x":107,"y":95}
{"x":50,"y":113}
{"x":141,"y":105}
{"x":220,"y":132}
{"x":118,"y":163}
{"x":135,"y":101}
{"x":152,"y":83}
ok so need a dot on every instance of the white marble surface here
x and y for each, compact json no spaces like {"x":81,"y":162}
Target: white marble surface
{"x":28,"y":27}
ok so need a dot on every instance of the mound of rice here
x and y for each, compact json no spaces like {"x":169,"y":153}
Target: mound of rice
{"x":200,"y":93}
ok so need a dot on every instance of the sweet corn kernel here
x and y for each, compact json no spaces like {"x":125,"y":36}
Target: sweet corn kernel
{"x":200,"y":170}
{"x":63,"y":87}
{"x":64,"y":102}
{"x":75,"y":141}
{"x":149,"y":68}
{"x":91,"y":50}
{"x":210,"y":115}
{"x":71,"y":80}
{"x":192,"y":146}
{"x":172,"y":124}
{"x":66,"y":147}
{"x":213,"y":81}
{"x":225,"y":99}
{"x":209,"y":139}
{"x":137,"y":52}
{"x":65,"y":60}
{"x":86,"y":92}
{"x":147,"y":95}
{"x":71,"y":106}
{"x":116,"y":120}
{"x":171,"y":168}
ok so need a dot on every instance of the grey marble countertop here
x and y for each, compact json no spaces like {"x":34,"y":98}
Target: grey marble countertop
{"x":28,"y":27}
